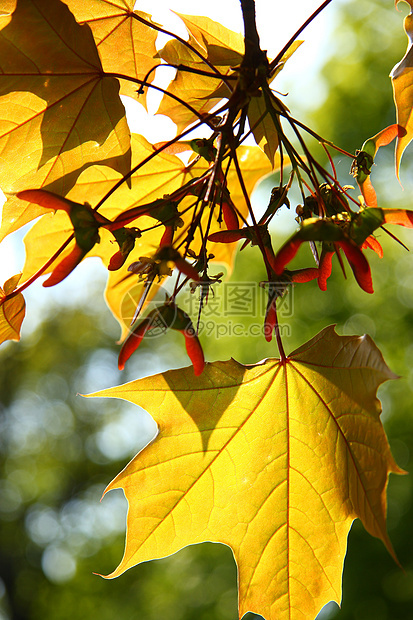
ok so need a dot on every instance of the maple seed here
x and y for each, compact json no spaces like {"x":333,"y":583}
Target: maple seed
{"x":86,"y":223}
{"x":164,"y":317}
{"x":230,"y":216}
{"x":326,"y":264}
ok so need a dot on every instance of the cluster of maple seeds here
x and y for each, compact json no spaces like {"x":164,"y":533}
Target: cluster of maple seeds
{"x":325,"y":217}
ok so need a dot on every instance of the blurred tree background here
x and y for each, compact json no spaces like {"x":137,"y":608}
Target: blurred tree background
{"x":59,"y":450}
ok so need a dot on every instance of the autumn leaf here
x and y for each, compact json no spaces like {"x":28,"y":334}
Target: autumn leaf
{"x":116,"y":26}
{"x":11,"y":311}
{"x":6,"y":9}
{"x":290,"y":51}
{"x":59,"y":113}
{"x":402,"y":81}
{"x":224,"y":47}
{"x":221,"y":47}
{"x":264,"y":121}
{"x":275,"y":460}
{"x":263,"y":111}
{"x":263,"y":127}
{"x":158,"y":177}
{"x":364,"y":160}
{"x":161,"y":176}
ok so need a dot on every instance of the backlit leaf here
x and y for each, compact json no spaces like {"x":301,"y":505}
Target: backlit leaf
{"x":224,"y":47}
{"x":161,"y":176}
{"x":262,"y":112}
{"x":402,"y":81}
{"x":364,"y":160}
{"x":116,"y":26}
{"x":275,"y":460}
{"x":263,"y":127}
{"x":58,"y":113}
{"x":221,"y":47}
{"x":6,"y":9}
{"x":290,"y":51}
{"x":11,"y":311}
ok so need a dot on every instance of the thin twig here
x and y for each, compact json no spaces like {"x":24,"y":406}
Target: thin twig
{"x":156,"y":152}
{"x":274,"y":63}
{"x":40,"y":271}
{"x":181,"y":40}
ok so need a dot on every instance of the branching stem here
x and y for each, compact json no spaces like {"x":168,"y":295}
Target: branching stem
{"x":154,"y":154}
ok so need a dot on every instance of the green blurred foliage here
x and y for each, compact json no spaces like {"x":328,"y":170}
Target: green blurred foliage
{"x":59,"y":451}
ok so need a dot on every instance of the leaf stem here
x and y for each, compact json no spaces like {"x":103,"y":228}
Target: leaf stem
{"x":283,"y":357}
{"x":187,"y":69}
{"x":120,"y":76}
{"x":40,"y":271}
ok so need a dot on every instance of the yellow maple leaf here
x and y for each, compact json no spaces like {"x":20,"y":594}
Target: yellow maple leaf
{"x":11,"y":311}
{"x":274,"y":460}
{"x":222,"y":48}
{"x":59,"y":113}
{"x":116,"y":26}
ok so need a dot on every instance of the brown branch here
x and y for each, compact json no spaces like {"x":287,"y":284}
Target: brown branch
{"x":253,"y":53}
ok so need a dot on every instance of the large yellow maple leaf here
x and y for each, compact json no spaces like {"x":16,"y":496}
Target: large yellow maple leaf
{"x":275,"y":460}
